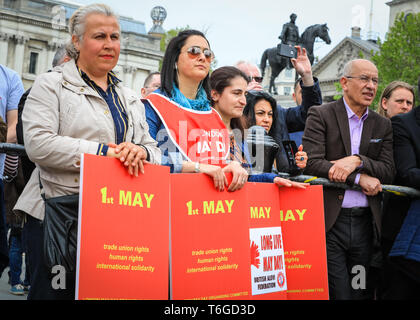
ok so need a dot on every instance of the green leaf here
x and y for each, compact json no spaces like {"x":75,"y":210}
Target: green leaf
{"x":398,"y":57}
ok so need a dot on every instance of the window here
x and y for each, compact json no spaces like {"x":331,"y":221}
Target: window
{"x":36,"y":5}
{"x":287,"y":91}
{"x":33,"y":59}
{"x":408,"y":16}
{"x":11,"y":4}
{"x":289,"y":73}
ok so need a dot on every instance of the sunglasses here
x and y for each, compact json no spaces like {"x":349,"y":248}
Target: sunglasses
{"x":195,"y":51}
{"x":256,"y":79}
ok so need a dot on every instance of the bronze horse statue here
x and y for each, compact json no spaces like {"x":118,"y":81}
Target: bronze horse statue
{"x":307,"y":39}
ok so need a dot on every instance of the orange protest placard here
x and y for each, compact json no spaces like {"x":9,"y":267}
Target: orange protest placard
{"x":268,"y":273}
{"x":123,"y":245}
{"x":210,"y":247}
{"x":261,"y":242}
{"x":302,"y":221}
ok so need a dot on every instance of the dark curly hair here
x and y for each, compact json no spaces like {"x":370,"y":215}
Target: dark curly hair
{"x":252,"y":99}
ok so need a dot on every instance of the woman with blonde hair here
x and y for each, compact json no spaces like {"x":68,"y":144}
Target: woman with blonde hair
{"x":79,"y":107}
{"x":398,"y":97}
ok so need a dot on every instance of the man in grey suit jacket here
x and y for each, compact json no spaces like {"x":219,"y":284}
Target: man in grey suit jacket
{"x":347,"y":142}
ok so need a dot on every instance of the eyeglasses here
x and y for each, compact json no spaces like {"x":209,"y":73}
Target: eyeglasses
{"x":195,"y":51}
{"x":256,"y":79}
{"x":365,"y":79}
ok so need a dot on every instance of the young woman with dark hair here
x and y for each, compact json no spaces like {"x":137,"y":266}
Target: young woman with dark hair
{"x":266,"y":119}
{"x":261,"y":110}
{"x":228,"y":97}
{"x":189,"y":132}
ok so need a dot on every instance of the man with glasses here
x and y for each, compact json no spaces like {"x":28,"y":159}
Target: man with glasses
{"x":151,"y":83}
{"x":346,"y":142}
{"x":252,"y":71}
{"x":289,"y":119}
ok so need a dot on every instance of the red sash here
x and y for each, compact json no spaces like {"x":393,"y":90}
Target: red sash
{"x":201,"y":136}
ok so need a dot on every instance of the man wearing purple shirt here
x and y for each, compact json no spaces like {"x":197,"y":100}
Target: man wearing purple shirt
{"x":346,"y":142}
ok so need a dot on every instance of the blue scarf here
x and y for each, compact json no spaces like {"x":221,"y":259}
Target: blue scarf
{"x":200,"y":103}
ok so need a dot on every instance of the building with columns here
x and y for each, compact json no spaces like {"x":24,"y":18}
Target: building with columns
{"x":32,"y":30}
{"x":329,"y":68}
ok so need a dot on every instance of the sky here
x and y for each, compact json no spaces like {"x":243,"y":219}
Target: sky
{"x":243,"y":29}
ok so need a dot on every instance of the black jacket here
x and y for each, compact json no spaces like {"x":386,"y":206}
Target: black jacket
{"x":294,"y":119}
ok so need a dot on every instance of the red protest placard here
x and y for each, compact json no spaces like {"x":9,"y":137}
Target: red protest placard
{"x":262,"y":242}
{"x":268,"y":273}
{"x":302,"y":221}
{"x":210,"y":255}
{"x":123,"y":244}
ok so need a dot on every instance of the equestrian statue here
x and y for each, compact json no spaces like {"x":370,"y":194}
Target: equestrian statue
{"x":290,"y":36}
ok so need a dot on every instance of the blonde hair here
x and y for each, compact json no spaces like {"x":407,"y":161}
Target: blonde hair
{"x":388,"y":92}
{"x":78,"y":21}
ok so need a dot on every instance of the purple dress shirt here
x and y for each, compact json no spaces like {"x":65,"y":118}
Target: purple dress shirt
{"x":353,"y":198}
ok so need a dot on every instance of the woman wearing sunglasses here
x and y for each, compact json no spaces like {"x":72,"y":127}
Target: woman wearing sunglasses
{"x":228,"y":90}
{"x":261,"y":110}
{"x":190,"y":134}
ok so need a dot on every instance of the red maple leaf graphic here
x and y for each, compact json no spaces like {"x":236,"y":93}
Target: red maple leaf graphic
{"x":254,"y":255}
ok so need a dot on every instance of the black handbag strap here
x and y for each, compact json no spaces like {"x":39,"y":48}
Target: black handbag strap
{"x":40,"y":185}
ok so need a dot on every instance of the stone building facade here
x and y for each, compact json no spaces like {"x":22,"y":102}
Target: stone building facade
{"x":330,"y":68}
{"x":32,"y":30}
{"x":398,"y":6}
{"x":284,"y":84}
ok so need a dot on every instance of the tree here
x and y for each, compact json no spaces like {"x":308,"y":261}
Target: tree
{"x":164,"y":41}
{"x":398,"y":57}
{"x":339,"y":91}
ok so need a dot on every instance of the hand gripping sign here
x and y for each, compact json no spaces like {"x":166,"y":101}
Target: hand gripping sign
{"x":260,"y":242}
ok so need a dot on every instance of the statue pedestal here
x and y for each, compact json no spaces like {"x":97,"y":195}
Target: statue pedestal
{"x":285,"y":101}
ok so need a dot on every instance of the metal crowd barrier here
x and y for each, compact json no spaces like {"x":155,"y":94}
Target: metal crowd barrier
{"x":17,"y":149}
{"x":14,"y":149}
{"x":397,"y":190}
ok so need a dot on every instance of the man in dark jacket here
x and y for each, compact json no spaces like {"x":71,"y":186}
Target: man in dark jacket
{"x":347,"y":142}
{"x":401,"y":220}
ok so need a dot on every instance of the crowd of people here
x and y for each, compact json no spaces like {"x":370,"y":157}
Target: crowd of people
{"x":81,"y":106}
